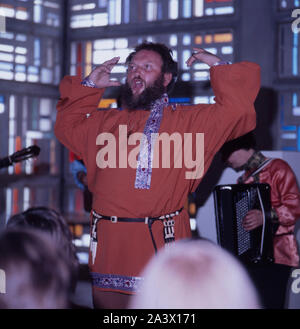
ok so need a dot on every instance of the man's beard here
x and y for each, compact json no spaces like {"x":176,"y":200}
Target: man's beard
{"x":146,"y":98}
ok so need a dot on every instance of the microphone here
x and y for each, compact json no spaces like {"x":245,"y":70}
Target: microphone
{"x":24,"y":154}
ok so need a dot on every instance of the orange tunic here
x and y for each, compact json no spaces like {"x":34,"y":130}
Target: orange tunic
{"x":124,"y":248}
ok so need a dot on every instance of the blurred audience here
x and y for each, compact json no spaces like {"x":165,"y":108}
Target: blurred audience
{"x":195,"y":274}
{"x":36,"y":278}
{"x":52,"y":223}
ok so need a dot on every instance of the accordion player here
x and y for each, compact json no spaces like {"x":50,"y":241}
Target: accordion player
{"x":232,"y":202}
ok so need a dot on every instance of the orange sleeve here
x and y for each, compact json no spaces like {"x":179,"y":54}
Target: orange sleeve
{"x":236,"y":87}
{"x":75,"y":108}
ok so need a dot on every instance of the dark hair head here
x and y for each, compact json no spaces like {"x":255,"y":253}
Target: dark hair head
{"x":245,"y":142}
{"x":36,"y":276}
{"x":53,"y":224}
{"x":169,"y":65}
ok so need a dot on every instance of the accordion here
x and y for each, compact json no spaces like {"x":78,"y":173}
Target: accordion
{"x":232,"y":202}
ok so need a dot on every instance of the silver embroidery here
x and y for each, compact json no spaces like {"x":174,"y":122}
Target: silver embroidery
{"x":117,"y":282}
{"x":145,"y":159}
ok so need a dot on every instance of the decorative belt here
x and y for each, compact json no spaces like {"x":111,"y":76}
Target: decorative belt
{"x":168,"y":221}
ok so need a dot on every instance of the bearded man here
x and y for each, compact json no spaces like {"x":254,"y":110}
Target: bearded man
{"x":138,"y":204}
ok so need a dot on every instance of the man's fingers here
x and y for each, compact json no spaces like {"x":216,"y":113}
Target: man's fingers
{"x":113,"y":83}
{"x":194,"y":58}
{"x":252,"y":220}
{"x":104,"y":68}
{"x":112,"y":62}
{"x":114,"y":59}
{"x":107,"y":65}
{"x":199,"y":50}
{"x":190,"y":61}
{"x":253,"y":211}
{"x":101,"y":74}
{"x":247,"y":224}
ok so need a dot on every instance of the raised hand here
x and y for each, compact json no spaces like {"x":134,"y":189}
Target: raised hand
{"x":100,"y":76}
{"x":204,"y":56}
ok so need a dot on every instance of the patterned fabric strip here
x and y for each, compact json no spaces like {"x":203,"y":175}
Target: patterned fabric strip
{"x":116,"y":282}
{"x":256,"y":160}
{"x":145,"y":159}
{"x":88,"y":83}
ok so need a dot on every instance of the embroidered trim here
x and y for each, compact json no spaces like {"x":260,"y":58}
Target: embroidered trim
{"x":222,"y":63}
{"x":145,"y":159}
{"x":88,"y":83}
{"x":116,"y":282}
{"x":254,"y":162}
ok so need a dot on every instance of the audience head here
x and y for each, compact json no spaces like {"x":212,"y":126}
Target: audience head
{"x":195,"y":274}
{"x":35,"y":277}
{"x":52,"y":223}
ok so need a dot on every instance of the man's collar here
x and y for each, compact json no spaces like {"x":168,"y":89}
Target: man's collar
{"x":256,"y":159}
{"x":160,"y":103}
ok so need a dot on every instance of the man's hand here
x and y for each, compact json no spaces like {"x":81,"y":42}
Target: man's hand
{"x":203,"y":56}
{"x":100,"y":76}
{"x":82,"y":177}
{"x":253,"y":219}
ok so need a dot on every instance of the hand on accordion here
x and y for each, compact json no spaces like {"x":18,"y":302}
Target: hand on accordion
{"x":253,"y":219}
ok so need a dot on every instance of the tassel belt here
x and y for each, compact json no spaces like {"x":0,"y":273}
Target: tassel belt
{"x":168,"y":221}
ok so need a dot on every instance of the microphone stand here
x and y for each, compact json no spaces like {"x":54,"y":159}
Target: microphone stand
{"x":5,"y":162}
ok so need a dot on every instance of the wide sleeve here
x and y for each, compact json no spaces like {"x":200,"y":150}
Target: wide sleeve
{"x":76,"y":108}
{"x":285,"y":193}
{"x":235,"y":87}
{"x":232,"y":115}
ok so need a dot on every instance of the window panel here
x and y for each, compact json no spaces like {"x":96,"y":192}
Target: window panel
{"x":151,"y":10}
{"x":287,"y":4}
{"x":34,"y":57}
{"x":114,"y":12}
{"x":36,"y":115}
{"x":219,"y":43}
{"x":288,"y":52}
{"x":38,"y":11}
{"x":187,"y":8}
{"x":173,"y":9}
{"x":21,"y":58}
{"x":2,"y":104}
{"x":289,"y":103}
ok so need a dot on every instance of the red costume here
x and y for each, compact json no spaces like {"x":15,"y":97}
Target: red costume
{"x":124,"y":248}
{"x":285,"y":200}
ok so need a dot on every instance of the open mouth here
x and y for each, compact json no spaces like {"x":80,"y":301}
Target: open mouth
{"x":137,"y":85}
